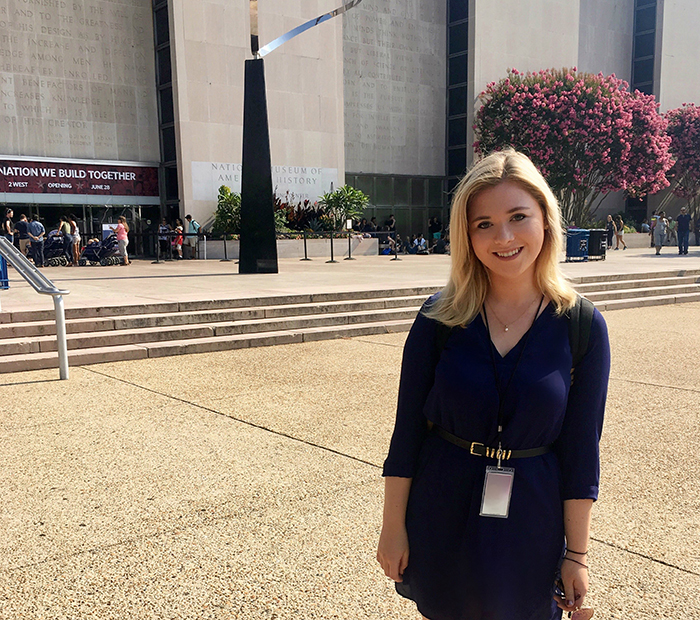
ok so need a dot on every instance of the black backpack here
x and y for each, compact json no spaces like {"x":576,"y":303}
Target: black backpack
{"x":580,"y":320}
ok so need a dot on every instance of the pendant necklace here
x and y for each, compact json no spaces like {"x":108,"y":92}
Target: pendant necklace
{"x":513,"y":322}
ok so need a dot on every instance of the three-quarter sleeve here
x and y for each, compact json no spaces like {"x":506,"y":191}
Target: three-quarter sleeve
{"x":417,"y":376}
{"x":577,"y":444}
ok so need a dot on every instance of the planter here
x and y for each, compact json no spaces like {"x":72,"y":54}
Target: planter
{"x":294,"y":248}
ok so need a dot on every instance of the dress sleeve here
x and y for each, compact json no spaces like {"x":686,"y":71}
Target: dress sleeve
{"x":577,"y":445}
{"x":417,"y":376}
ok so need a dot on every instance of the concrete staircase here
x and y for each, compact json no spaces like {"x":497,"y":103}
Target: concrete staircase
{"x":103,"y":334}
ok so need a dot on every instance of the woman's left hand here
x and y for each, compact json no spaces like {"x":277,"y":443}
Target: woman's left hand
{"x":575,"y":580}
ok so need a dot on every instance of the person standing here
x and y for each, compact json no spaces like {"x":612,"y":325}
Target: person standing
{"x":36,"y":234}
{"x":493,"y":466}
{"x":619,"y":233}
{"x":659,"y":232}
{"x":671,"y":236}
{"x":122,"y":232}
{"x":21,"y":228}
{"x":192,"y":237}
{"x":683,"y":231}
{"x":64,"y":230}
{"x":8,"y":227}
{"x":75,"y":238}
{"x":610,"y":228}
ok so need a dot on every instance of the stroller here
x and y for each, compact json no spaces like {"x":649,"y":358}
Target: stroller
{"x":54,"y":253}
{"x":105,"y":252}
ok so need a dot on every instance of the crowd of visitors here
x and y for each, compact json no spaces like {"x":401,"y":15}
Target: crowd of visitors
{"x":436,"y":243}
{"x":667,"y":231}
{"x":31,"y":237}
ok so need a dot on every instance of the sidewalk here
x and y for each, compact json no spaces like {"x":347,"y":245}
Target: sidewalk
{"x":246,"y":484}
{"x":144,"y":282}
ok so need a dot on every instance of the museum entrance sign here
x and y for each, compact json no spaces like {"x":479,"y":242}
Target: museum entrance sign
{"x":77,"y":182}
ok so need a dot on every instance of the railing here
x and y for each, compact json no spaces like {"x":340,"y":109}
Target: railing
{"x":41,"y":284}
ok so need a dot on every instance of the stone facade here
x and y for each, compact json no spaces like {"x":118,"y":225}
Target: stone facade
{"x":395,"y":72}
{"x":77,"y":80}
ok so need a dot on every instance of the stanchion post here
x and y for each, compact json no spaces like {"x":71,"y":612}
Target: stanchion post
{"x":225,"y":259}
{"x":348,"y":229}
{"x":332,"y":259}
{"x":306,"y":256}
{"x":396,"y":248}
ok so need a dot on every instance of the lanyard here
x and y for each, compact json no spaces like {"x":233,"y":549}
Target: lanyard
{"x":502,"y":393}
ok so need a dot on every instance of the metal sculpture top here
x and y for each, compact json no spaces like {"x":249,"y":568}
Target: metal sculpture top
{"x":260,"y":52}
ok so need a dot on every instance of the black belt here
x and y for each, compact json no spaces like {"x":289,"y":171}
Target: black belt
{"x":479,"y":449}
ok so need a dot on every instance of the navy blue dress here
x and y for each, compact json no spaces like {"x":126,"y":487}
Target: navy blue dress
{"x":462,"y":566}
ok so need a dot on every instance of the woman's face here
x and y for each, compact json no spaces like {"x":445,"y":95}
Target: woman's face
{"x":506,"y":230}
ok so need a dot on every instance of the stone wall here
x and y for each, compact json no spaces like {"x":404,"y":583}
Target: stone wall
{"x":395,"y":76}
{"x":77,"y":80}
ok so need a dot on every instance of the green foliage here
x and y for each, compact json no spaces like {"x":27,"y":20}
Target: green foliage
{"x":343,"y":204}
{"x":227,"y":219}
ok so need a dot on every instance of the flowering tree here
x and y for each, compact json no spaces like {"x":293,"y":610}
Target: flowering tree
{"x":684,"y":130}
{"x":586,"y":133}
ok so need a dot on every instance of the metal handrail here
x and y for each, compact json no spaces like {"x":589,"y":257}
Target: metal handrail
{"x":42,"y":285}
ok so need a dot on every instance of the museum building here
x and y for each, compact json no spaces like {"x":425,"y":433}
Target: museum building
{"x":135,"y":107}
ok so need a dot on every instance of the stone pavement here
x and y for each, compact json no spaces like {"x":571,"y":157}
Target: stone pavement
{"x":246,"y":484}
{"x":144,"y":282}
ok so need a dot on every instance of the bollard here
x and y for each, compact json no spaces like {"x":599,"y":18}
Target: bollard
{"x":306,"y":256}
{"x":349,"y":256}
{"x":225,"y":259}
{"x":332,"y":259}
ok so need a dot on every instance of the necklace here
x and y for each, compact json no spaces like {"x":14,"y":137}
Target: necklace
{"x":514,"y":321}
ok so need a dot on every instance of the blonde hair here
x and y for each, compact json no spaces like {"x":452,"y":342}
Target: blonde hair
{"x":465,"y":293}
{"x":122,"y":220}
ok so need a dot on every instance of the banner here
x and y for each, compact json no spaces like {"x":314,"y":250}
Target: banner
{"x":27,"y":177}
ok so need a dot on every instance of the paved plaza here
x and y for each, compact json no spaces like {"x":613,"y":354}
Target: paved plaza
{"x":246,"y":483}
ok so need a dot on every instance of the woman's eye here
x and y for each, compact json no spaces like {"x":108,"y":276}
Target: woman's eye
{"x":483,"y":225}
{"x":519,"y":217}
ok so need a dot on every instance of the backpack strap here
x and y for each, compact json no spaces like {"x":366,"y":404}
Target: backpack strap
{"x":580,"y":322}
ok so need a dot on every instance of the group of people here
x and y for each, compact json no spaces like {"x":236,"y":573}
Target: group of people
{"x":30,"y":237}
{"x":615,"y":228}
{"x":175,"y":238}
{"x":665,"y":230}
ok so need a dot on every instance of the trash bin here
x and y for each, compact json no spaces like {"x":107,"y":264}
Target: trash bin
{"x":576,"y":244}
{"x":597,"y":244}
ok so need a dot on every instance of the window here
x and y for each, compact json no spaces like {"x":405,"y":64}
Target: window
{"x":164,"y":68}
{"x":167,"y":114}
{"x":458,"y":101}
{"x":459,"y":9}
{"x":458,"y":38}
{"x":161,"y":24}
{"x":644,"y":45}
{"x":458,"y":69}
{"x":457,"y":132}
{"x":417,"y":192}
{"x":646,"y":19}
{"x":384,"y":191}
{"x":169,"y":150}
{"x":643,"y":71}
{"x":456,"y":162}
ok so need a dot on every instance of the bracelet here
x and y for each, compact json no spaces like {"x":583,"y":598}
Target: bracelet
{"x":577,"y":552}
{"x":576,"y":562}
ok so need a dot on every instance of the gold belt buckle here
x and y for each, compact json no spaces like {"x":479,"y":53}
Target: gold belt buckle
{"x":474,"y":445}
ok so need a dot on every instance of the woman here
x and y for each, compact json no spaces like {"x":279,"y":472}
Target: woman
{"x":507,"y":359}
{"x":122,"y":230}
{"x":658,"y":232}
{"x":75,"y":238}
{"x":64,"y":230}
{"x":611,"y":230}
{"x":177,"y":240}
{"x":619,"y":233}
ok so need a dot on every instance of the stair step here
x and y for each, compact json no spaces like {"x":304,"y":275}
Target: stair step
{"x":87,"y":340}
{"x":48,"y":328}
{"x":214,"y":304}
{"x":630,"y":284}
{"x":81,"y":357}
{"x":651,"y":275}
{"x":640,"y":293}
{"x":660,"y":300}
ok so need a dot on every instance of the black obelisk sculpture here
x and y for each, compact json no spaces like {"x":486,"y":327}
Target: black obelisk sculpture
{"x":258,"y":250}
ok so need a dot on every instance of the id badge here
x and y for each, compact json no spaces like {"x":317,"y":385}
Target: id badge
{"x":498,"y":486}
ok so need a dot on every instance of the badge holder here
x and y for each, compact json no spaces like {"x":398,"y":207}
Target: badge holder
{"x":498,"y":487}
